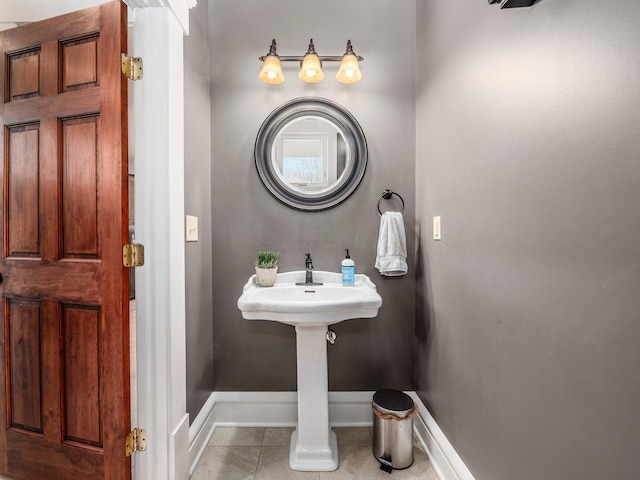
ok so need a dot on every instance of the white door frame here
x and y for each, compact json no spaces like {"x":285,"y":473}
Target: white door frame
{"x":158,"y":105}
{"x":158,"y":149}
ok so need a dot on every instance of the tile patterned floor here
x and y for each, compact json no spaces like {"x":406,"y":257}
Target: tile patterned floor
{"x":263,"y":454}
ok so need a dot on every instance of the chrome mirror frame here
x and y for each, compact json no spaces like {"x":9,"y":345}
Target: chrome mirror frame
{"x":343,"y":121}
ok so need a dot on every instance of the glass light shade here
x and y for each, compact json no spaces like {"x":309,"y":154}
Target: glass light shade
{"x":271,"y":70}
{"x":311,"y":69}
{"x":349,"y":71}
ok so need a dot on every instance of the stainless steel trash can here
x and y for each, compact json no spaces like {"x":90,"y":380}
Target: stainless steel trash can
{"x":393,"y":413}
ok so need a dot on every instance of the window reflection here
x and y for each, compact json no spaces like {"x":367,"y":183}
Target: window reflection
{"x":303,"y":164}
{"x":310,"y":154}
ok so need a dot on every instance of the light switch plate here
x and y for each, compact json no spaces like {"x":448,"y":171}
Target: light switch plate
{"x":437,"y":228}
{"x":191,"y":228}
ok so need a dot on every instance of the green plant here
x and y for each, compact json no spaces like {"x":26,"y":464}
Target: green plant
{"x":267,"y":259}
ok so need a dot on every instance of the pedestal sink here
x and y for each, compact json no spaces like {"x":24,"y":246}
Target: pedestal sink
{"x":311,"y":309}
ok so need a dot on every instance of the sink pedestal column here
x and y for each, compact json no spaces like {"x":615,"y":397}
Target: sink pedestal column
{"x":313,"y":444}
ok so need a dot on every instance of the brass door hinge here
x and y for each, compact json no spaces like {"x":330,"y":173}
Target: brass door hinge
{"x":133,"y":255}
{"x":132,"y":67}
{"x":136,"y":441}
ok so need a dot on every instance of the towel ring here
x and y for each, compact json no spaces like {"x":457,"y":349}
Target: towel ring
{"x":386,"y":195}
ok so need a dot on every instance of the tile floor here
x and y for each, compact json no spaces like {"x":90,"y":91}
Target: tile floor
{"x":263,"y":454}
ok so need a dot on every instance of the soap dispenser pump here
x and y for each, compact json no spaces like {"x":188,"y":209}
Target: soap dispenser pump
{"x":348,"y":270}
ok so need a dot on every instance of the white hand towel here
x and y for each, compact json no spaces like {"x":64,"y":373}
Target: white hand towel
{"x":391,"y":257}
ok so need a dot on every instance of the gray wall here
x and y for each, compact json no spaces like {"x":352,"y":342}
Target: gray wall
{"x":197,"y":165}
{"x":260,"y":355}
{"x":528,"y":309}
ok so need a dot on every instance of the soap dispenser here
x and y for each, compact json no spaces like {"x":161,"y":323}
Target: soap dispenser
{"x":348,"y":270}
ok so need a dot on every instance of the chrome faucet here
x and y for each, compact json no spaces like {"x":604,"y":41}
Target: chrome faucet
{"x":308,"y":274}
{"x":308,"y":266}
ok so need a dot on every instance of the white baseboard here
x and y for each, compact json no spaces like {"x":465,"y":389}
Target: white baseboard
{"x":256,"y":409}
{"x":445,"y":460}
{"x":280,"y":409}
{"x":200,"y":432}
{"x":346,"y":409}
{"x":178,"y":458}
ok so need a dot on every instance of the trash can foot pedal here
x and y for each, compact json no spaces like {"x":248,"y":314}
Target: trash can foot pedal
{"x":385,"y":464}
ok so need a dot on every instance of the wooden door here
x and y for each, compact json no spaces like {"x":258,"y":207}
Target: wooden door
{"x":64,"y":346}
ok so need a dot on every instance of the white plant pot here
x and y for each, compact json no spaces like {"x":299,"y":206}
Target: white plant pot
{"x":266,"y":277}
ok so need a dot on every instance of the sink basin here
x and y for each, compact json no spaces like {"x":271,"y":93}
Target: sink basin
{"x":311,"y":309}
{"x":324,"y":304}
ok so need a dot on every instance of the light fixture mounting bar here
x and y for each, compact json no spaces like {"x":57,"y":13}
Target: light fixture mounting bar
{"x":299,"y":58}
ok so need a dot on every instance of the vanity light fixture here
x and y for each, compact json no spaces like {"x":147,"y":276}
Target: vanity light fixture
{"x":310,"y":65}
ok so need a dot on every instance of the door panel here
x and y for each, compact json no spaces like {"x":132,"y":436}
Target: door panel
{"x":22,"y":150}
{"x":23,"y":71}
{"x":64,"y":351}
{"x":81,"y":375}
{"x":79,"y":187}
{"x":24,"y":365}
{"x":80,"y":62}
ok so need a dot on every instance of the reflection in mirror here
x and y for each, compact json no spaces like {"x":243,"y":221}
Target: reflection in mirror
{"x":311,"y":154}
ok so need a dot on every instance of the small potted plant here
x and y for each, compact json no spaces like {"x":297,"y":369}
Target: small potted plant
{"x":267,"y":268}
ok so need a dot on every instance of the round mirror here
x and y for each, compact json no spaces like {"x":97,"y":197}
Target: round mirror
{"x":311,"y":153}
